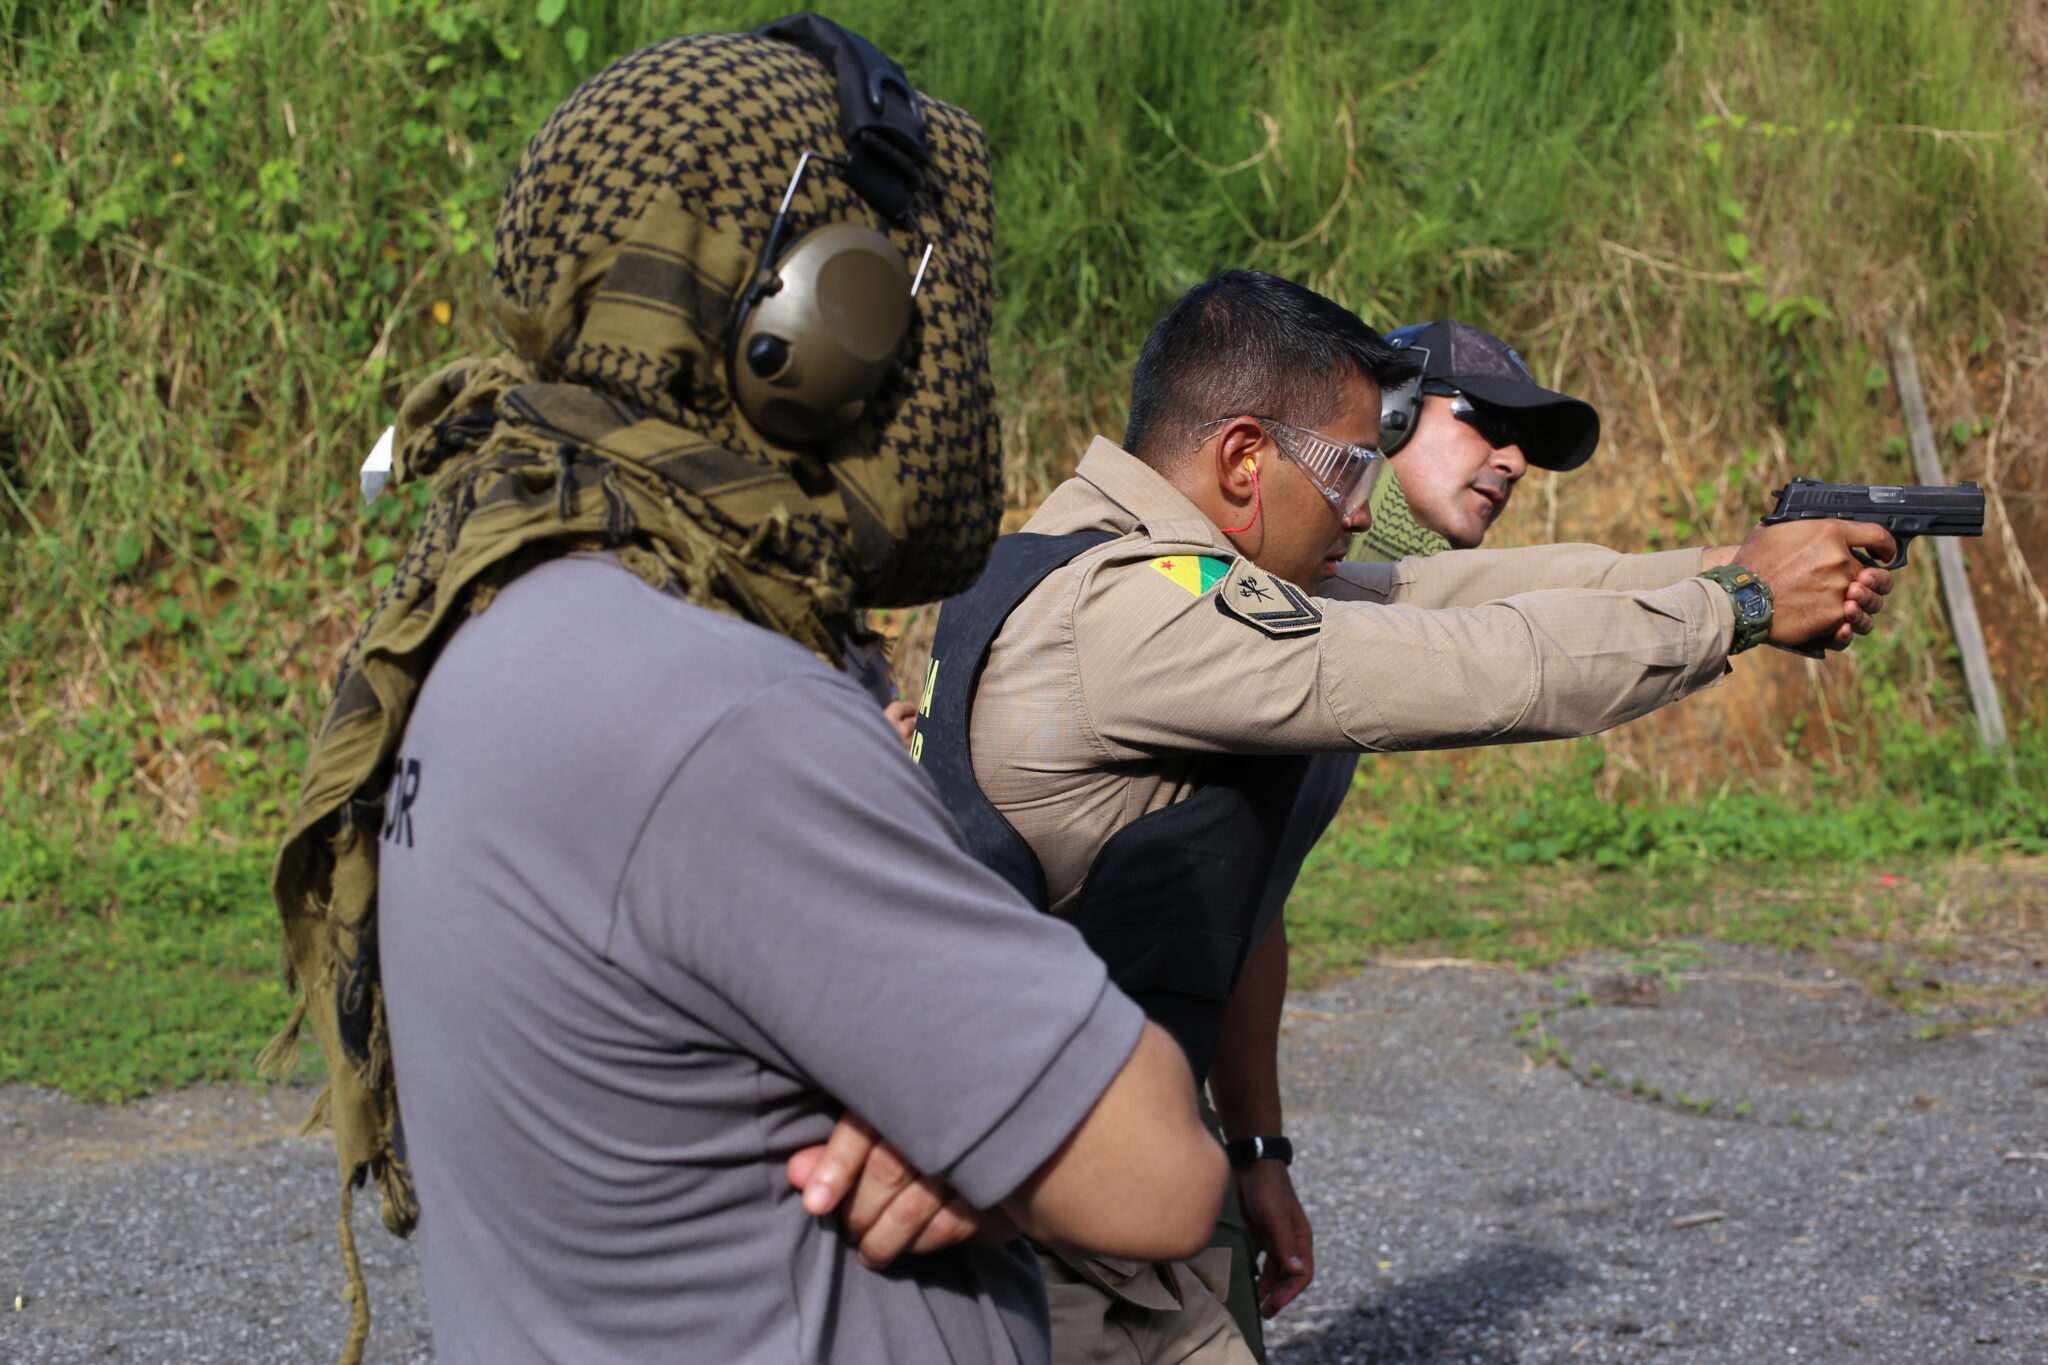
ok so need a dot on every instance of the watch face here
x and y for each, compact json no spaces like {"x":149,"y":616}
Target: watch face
{"x":1749,"y":600}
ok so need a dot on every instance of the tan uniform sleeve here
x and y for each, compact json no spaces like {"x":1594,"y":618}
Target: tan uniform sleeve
{"x":1163,"y":669}
{"x":1468,"y":578}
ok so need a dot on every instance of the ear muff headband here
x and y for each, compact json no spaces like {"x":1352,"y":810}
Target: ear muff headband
{"x":1399,"y":403}
{"x":820,"y":325}
{"x":879,"y":116}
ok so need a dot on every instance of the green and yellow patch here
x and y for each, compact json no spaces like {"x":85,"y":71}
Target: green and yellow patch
{"x":1196,"y":573}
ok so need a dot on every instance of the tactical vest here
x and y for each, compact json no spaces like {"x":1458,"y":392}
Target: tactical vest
{"x":1169,"y":903}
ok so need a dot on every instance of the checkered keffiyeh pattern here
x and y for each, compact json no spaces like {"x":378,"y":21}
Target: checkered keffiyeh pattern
{"x":626,"y":235}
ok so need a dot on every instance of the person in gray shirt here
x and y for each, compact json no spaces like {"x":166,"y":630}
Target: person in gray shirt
{"x":619,"y":990}
{"x":608,"y":890}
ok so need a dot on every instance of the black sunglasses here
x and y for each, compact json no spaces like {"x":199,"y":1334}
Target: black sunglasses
{"x":1497,"y":430}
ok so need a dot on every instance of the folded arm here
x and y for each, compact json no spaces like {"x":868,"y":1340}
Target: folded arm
{"x":1139,"y":1177}
{"x":884,"y":967}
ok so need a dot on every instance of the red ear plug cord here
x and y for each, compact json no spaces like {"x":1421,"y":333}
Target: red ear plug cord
{"x":1234,"y":530}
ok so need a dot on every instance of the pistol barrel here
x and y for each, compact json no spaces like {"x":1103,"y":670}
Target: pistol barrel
{"x":1903,"y":509}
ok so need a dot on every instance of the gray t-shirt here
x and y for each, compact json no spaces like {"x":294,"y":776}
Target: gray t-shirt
{"x":660,"y":893}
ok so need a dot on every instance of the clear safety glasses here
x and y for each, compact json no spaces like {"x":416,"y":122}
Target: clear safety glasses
{"x":1341,"y":471}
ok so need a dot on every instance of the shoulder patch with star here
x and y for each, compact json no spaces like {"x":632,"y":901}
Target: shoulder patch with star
{"x":1268,"y":604}
{"x":1196,"y":573}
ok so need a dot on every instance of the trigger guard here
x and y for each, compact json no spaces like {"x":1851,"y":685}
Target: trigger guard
{"x":1869,"y":560}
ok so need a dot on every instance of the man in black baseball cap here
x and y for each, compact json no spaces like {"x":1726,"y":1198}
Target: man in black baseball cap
{"x":1482,"y":419}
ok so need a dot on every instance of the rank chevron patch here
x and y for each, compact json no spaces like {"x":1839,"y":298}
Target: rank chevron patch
{"x":1196,"y":573}
{"x":1268,"y":604}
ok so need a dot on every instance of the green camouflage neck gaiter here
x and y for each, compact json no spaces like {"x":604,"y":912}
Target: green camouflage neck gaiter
{"x":1394,"y":533}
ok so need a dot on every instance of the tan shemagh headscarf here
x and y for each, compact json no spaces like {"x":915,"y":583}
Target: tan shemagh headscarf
{"x":626,"y":234}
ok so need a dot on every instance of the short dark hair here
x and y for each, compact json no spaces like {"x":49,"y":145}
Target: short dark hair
{"x":1249,"y":343}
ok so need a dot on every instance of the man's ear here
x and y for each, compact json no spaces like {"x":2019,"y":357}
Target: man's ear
{"x":1240,"y":457}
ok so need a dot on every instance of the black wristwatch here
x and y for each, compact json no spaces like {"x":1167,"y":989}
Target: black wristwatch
{"x":1750,"y":596}
{"x":1244,"y":1151}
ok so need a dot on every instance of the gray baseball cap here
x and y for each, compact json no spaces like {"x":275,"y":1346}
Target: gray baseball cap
{"x":1554,"y":430}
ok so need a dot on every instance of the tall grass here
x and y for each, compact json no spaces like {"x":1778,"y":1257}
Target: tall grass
{"x":238,"y":232}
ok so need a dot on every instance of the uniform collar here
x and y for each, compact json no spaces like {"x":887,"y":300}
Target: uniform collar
{"x":1115,"y":488}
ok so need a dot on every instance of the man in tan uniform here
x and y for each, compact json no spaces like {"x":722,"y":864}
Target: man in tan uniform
{"x":1454,"y":435}
{"x":1213,"y":617}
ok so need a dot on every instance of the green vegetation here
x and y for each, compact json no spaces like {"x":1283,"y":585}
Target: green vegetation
{"x":134,"y":967}
{"x":1343,"y":916}
{"x":240,"y":232}
{"x":1569,"y":805}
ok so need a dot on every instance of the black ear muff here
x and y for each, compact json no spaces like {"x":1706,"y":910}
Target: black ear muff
{"x":1399,"y":404}
{"x":1397,"y":414}
{"x":821,"y":333}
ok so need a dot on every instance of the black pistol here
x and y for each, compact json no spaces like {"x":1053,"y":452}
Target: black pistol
{"x":1906,"y":510}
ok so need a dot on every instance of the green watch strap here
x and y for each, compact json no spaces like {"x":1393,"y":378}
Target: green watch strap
{"x":1750,"y":598}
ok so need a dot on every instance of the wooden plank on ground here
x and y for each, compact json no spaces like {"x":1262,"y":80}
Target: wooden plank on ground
{"x":1955,"y":582}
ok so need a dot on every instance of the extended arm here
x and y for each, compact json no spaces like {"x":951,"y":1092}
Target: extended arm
{"x":1468,"y":578}
{"x":1162,"y":670}
{"x":1165,"y":670}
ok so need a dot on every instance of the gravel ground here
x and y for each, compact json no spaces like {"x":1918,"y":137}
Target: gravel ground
{"x":1881,"y":1198}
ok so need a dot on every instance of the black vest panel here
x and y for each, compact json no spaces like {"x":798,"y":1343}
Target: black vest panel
{"x":1169,"y":902}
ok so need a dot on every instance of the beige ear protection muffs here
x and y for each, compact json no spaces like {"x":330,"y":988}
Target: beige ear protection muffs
{"x":822,"y":322}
